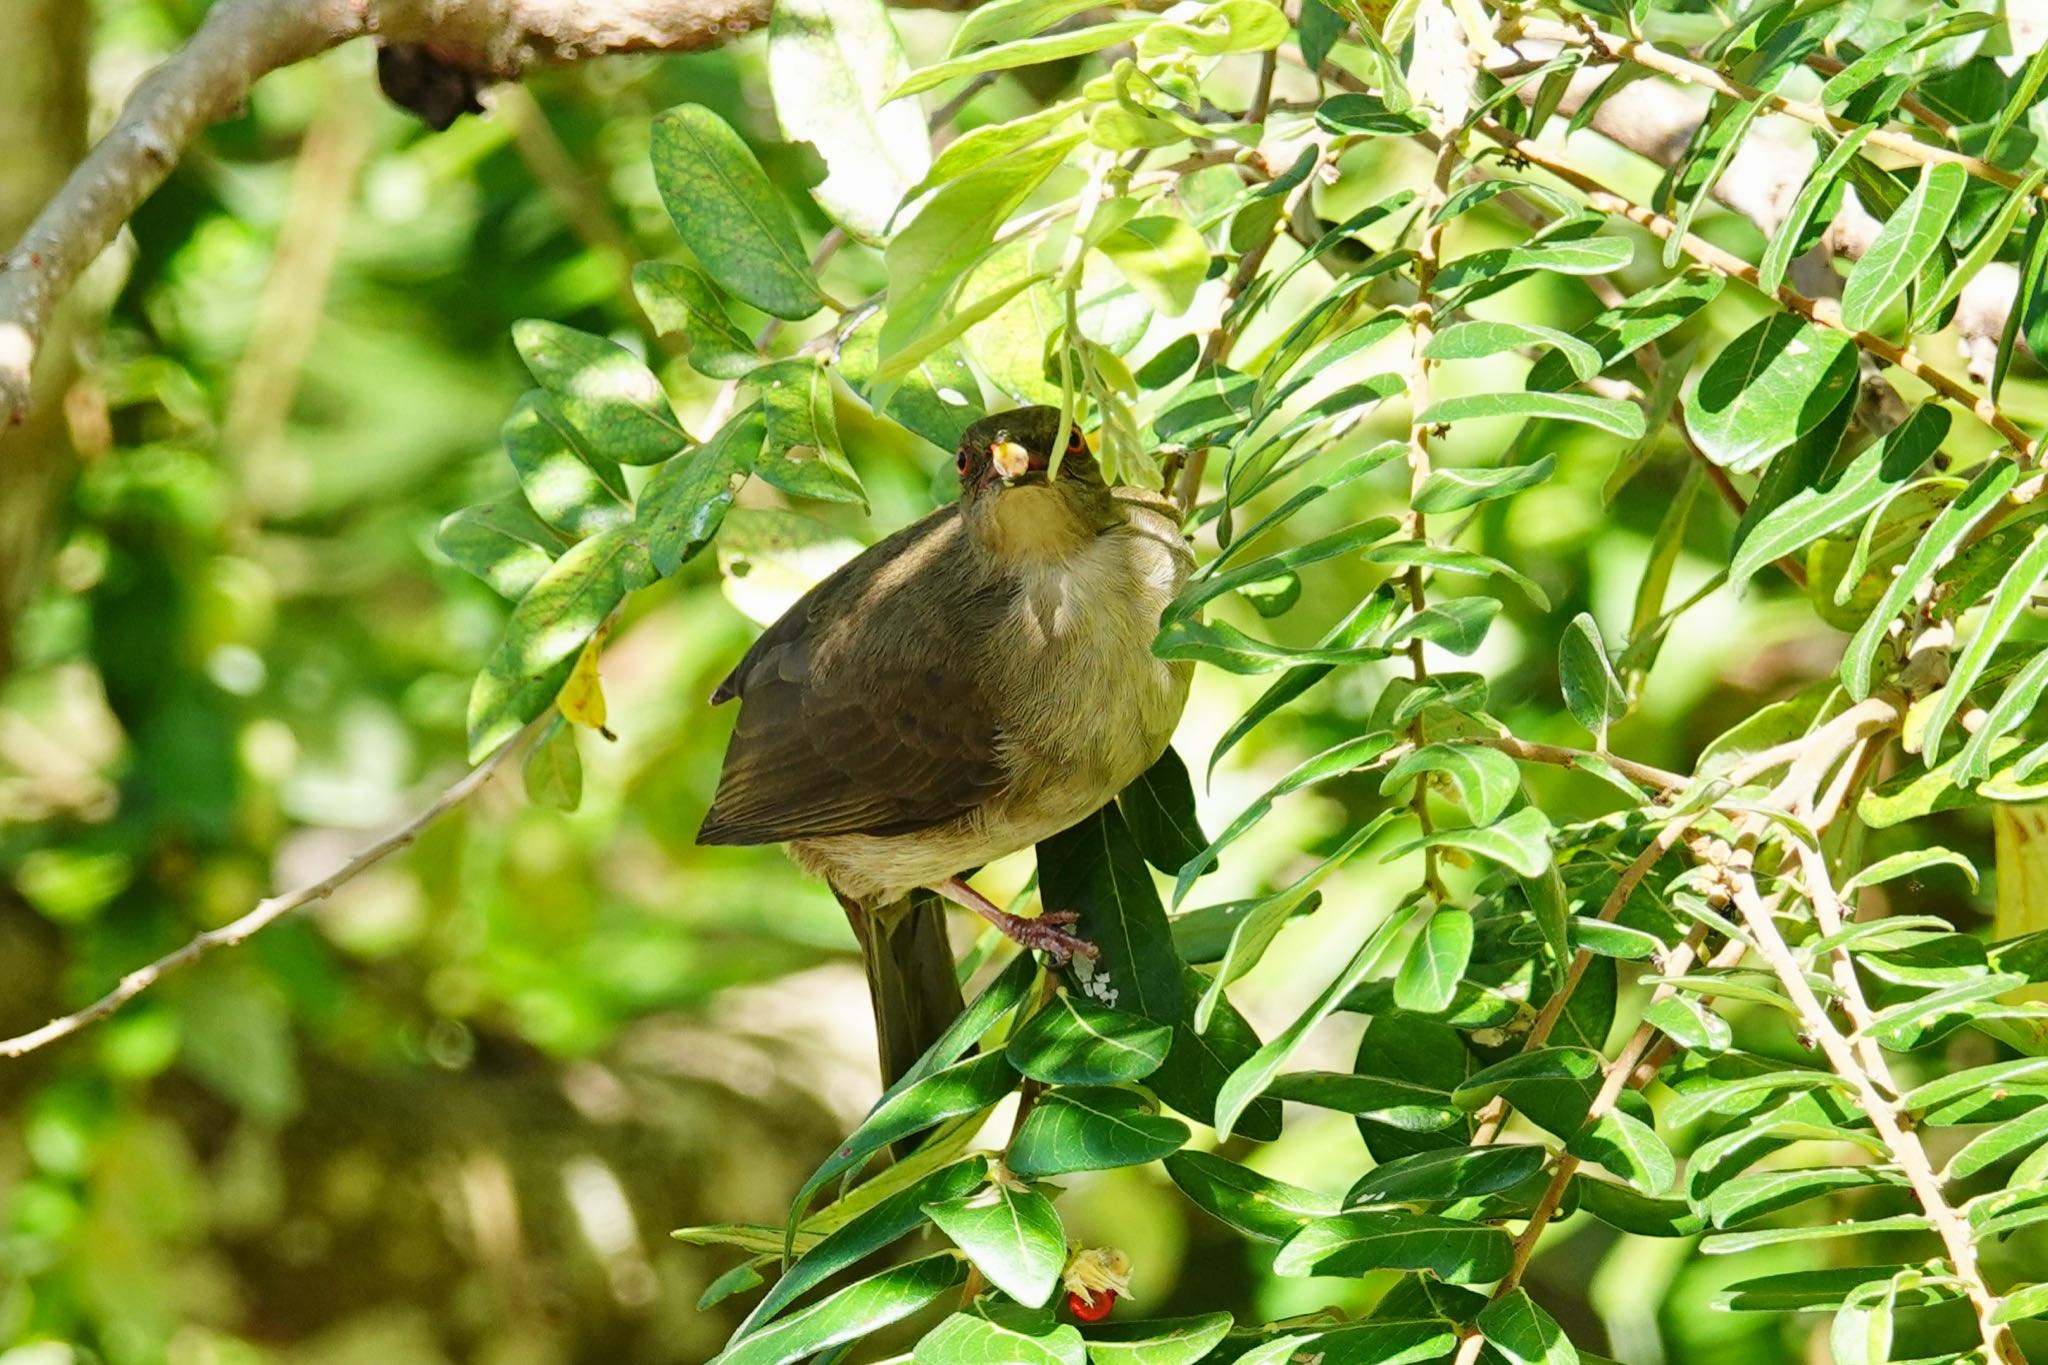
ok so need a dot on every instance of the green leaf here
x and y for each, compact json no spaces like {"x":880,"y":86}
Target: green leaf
{"x":1714,"y":144}
{"x":1767,"y":388}
{"x":1363,"y":619}
{"x":1996,"y":1144}
{"x":1735,"y":1243}
{"x":1486,"y":779}
{"x":1004,"y":20}
{"x":970,"y":1339}
{"x":2033,"y":264}
{"x":1161,"y":1341}
{"x":954,"y":230}
{"x":1256,"y":1205}
{"x":1989,"y":241}
{"x":831,"y":65}
{"x":1632,"y":324}
{"x":1476,"y":340}
{"x":1451,"y":1174}
{"x":1163,"y":257}
{"x":729,"y":215}
{"x":553,"y":772}
{"x":1622,"y":418}
{"x":1907,"y":864}
{"x":1382,"y":1239}
{"x":1346,"y":757}
{"x":1217,"y":28}
{"x":1367,"y":115}
{"x":1443,"y":559}
{"x":1807,"y":1290}
{"x":962,"y":1088}
{"x":1200,"y":1062}
{"x":1580,"y":256}
{"x":1526,"y":1335}
{"x":938,"y":398}
{"x":1160,"y":809}
{"x":1690,"y":1023}
{"x":1090,"y":1128}
{"x":997,"y":999}
{"x":612,"y":400}
{"x":1450,"y":490}
{"x":1257,"y":1072}
{"x":1077,"y":1042}
{"x":571,"y":488}
{"x":860,"y":1308}
{"x":683,"y":504}
{"x":2012,"y":708}
{"x":802,"y":456}
{"x":1211,"y":407}
{"x":1628,"y":1147}
{"x":1903,"y":245}
{"x":1013,"y":1236}
{"x":547,"y":630}
{"x":1815,"y":512}
{"x":1095,"y":871}
{"x":1016,"y":52}
{"x":1520,"y":843}
{"x":1458,"y":625}
{"x":1749,"y":1197}
{"x":2022,"y":1302}
{"x":1259,"y":925}
{"x":679,"y":300}
{"x":1578,"y":1065}
{"x":1620,"y":1206}
{"x":741,"y":1278}
{"x":1592,"y":693}
{"x":1435,"y":963}
{"x":1410,"y":1106}
{"x":2014,"y":594}
{"x":1941,"y":538}
{"x":1207,"y":587}
{"x":502,"y":543}
{"x":864,"y":1234}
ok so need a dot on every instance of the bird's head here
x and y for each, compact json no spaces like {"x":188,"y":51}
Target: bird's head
{"x":1014,"y":501}
{"x":1014,"y":450}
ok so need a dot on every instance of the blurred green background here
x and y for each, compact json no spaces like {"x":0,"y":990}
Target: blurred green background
{"x":455,"y":1114}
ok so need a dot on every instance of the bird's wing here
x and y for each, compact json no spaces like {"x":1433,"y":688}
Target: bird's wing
{"x":876,"y":730}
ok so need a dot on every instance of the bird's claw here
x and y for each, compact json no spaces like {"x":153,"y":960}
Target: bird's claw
{"x":1048,"y":934}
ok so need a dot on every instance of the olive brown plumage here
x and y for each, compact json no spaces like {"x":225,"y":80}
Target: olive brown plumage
{"x":962,"y":689}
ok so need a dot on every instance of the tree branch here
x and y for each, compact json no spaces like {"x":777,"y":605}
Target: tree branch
{"x":268,"y":912}
{"x":239,"y":42}
{"x":1821,"y":312}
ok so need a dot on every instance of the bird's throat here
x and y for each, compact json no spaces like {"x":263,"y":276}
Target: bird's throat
{"x":1037,"y":523}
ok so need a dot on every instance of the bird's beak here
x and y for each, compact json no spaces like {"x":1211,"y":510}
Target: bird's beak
{"x":1009,"y":459}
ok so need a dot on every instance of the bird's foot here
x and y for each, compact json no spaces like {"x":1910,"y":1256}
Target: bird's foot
{"x":1047,"y":934}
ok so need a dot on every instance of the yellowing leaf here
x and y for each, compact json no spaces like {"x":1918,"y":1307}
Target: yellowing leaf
{"x":582,"y":698}
{"x":2022,"y":834}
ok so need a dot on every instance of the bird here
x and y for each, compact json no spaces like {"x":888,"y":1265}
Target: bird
{"x":970,"y":685}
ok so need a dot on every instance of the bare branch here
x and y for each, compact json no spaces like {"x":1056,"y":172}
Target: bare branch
{"x":268,"y":912}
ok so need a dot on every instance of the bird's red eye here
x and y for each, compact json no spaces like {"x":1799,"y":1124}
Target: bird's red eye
{"x":960,"y":460}
{"x":1076,"y":445}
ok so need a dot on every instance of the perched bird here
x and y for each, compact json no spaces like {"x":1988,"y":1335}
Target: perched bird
{"x":976,"y":682}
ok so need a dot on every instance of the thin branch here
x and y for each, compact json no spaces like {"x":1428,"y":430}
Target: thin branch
{"x":1619,"y":49}
{"x":275,"y":908}
{"x":1824,"y":313}
{"x":1874,"y":1093}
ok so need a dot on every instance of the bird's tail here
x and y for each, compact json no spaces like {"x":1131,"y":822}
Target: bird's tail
{"x":910,"y":976}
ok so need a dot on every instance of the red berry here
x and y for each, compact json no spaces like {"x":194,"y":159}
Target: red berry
{"x":1105,"y":1299}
